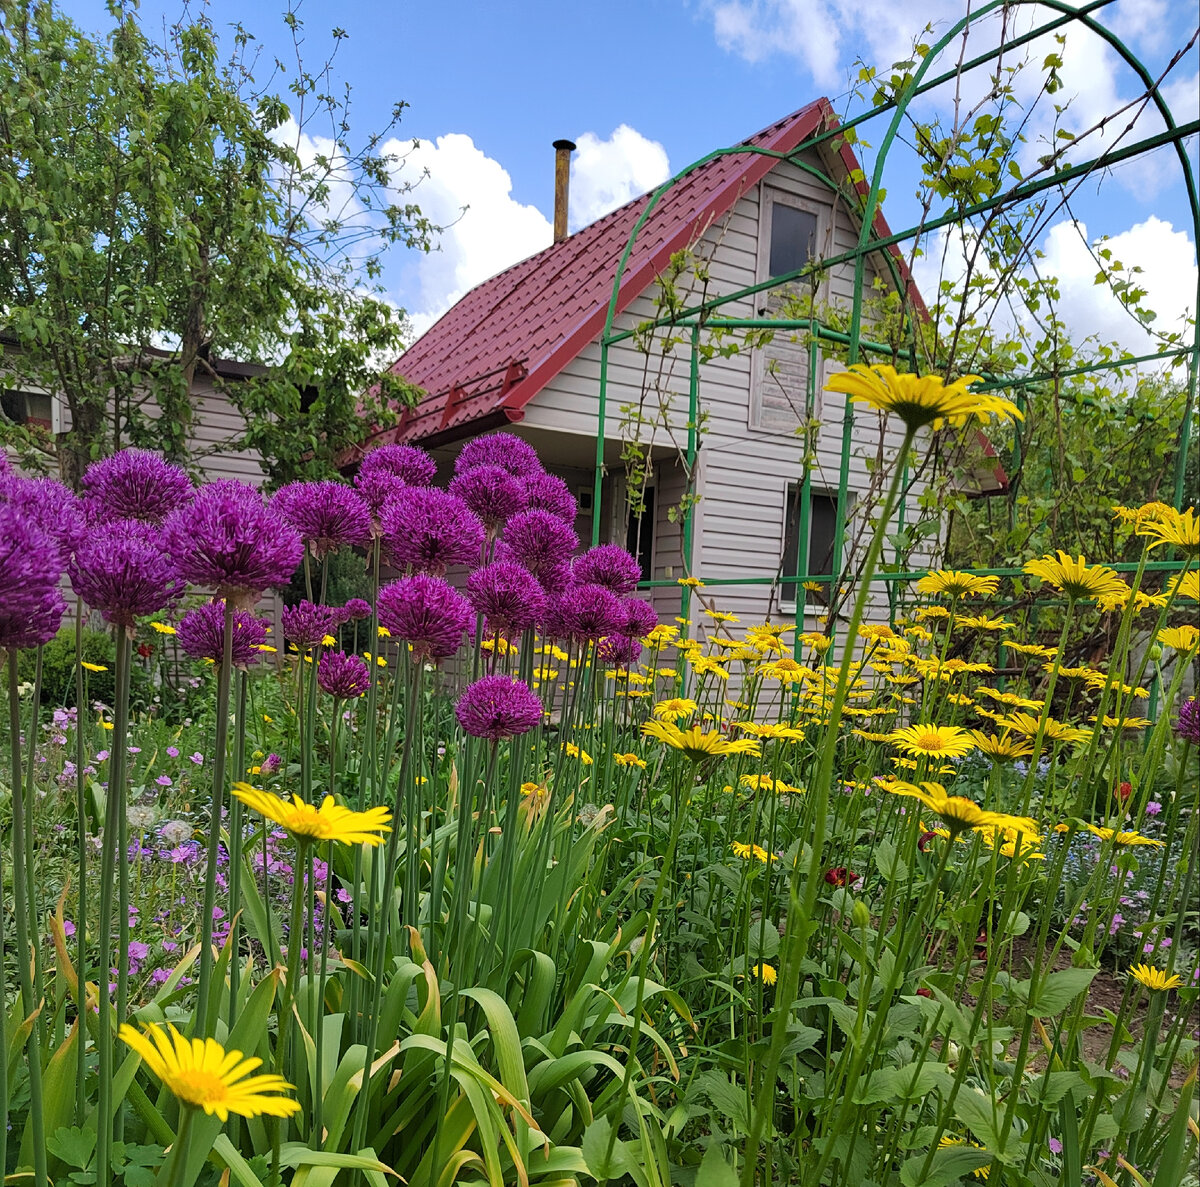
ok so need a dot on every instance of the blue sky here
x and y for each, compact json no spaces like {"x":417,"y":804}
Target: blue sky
{"x":647,"y":87}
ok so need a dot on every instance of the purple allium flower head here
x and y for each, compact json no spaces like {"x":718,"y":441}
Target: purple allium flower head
{"x":343,"y":676}
{"x":123,"y":571}
{"x":540,"y":541}
{"x":228,"y":540}
{"x":31,"y":606}
{"x":608,"y":565}
{"x":427,"y":612}
{"x":375,"y":489}
{"x":428,"y":529}
{"x":622,"y":650}
{"x":357,"y":609}
{"x":498,"y":707}
{"x":135,"y":484}
{"x":409,"y":463}
{"x":49,"y":505}
{"x":491,"y":492}
{"x":328,"y":515}
{"x":591,"y":612}
{"x":548,"y":492}
{"x":1188,"y":725}
{"x":306,"y":624}
{"x":201,"y":634}
{"x":640,"y":618}
{"x":508,"y":597}
{"x":270,"y":764}
{"x":499,"y":449}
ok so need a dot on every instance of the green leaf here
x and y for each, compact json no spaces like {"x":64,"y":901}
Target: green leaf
{"x":714,"y":1170}
{"x":949,"y":1165}
{"x":73,"y":1146}
{"x":1059,"y":989}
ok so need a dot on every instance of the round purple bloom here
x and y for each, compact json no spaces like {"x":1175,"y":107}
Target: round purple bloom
{"x":498,"y":707}
{"x":357,"y":609}
{"x":608,"y":565}
{"x":427,"y":612}
{"x":409,"y":463}
{"x":328,"y":515}
{"x":201,"y":634}
{"x":123,"y":571}
{"x":491,"y":492}
{"x":499,"y":449}
{"x":1188,"y":725}
{"x":640,"y":618}
{"x":343,"y":676}
{"x":508,"y":597}
{"x":540,"y":541}
{"x":427,"y":529}
{"x":548,"y":492}
{"x":306,"y":624}
{"x":591,"y":611}
{"x":376,"y":487}
{"x":136,"y":484}
{"x":228,"y":540}
{"x":56,"y":510}
{"x":621,"y":650}
{"x":31,"y":607}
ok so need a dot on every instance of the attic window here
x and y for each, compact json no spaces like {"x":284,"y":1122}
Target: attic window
{"x":793,"y":235}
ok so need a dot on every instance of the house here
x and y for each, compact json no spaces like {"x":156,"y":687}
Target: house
{"x":522,"y":352}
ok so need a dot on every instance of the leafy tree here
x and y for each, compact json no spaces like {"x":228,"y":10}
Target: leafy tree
{"x":158,"y":211}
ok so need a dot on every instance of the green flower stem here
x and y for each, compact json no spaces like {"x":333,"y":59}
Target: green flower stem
{"x":81,"y":869}
{"x":283,"y":1033}
{"x":21,"y":909}
{"x":31,"y":845}
{"x":236,"y":843}
{"x":800,"y":912}
{"x":680,"y":797}
{"x":114,"y":811}
{"x":204,"y":978}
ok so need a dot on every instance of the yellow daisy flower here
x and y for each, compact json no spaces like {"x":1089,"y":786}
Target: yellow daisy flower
{"x":959,"y":813}
{"x":786,"y":733}
{"x":1010,"y":698}
{"x":946,"y":741}
{"x":1179,"y":529}
{"x":721,"y":616}
{"x":92,"y":667}
{"x":1155,"y":979}
{"x":765,"y":973}
{"x":947,"y":1142}
{"x":675,"y":708}
{"x":1180,"y":638}
{"x":921,"y":400}
{"x":785,"y":670}
{"x":573,"y":751}
{"x":307,"y":823}
{"x":981,"y":622}
{"x":1038,"y":649}
{"x":1004,"y":748}
{"x":1185,"y":585}
{"x":201,"y":1074}
{"x":952,"y":583}
{"x":1056,"y":731}
{"x":1124,"y":838}
{"x":689,"y":582}
{"x":755,"y":852}
{"x":629,"y":760}
{"x":1075,"y":578}
{"x":1138,"y":515}
{"x":163,"y":628}
{"x":698,"y":743}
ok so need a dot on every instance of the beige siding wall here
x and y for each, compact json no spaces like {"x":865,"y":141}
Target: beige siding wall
{"x":750,"y":451}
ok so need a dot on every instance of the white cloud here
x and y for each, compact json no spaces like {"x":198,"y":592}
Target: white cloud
{"x":1168,"y":274}
{"x":606,"y":174}
{"x":486,"y":228}
{"x":459,"y":187}
{"x":817,"y":32}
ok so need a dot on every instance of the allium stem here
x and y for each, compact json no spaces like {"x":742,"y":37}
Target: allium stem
{"x":21,"y":909}
{"x":81,"y":865}
{"x":235,"y":849}
{"x":114,"y":810}
{"x":204,"y":977}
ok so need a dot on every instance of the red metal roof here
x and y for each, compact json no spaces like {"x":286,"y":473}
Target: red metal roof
{"x":494,"y":350}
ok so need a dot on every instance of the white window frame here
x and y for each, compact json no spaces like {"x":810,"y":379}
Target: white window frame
{"x":769,"y":194}
{"x":787,"y":593}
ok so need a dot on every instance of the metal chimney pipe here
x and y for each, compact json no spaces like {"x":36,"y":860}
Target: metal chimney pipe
{"x":562,"y":184}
